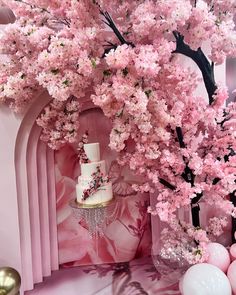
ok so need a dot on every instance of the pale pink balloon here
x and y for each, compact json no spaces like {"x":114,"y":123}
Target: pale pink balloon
{"x":235,"y":235}
{"x":218,"y":256}
{"x":205,"y":279}
{"x":232,"y":275}
{"x":232,"y":252}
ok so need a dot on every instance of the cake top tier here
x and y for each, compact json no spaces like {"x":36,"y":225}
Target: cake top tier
{"x":92,"y":151}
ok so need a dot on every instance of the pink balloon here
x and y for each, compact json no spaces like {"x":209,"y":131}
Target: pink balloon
{"x":218,"y":256}
{"x":232,"y":252}
{"x":232,"y":275}
{"x":235,"y":235}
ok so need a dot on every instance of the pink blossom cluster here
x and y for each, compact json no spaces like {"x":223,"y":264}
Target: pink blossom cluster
{"x":216,"y":226}
{"x":123,"y":55}
{"x":60,"y":123}
{"x":58,"y":46}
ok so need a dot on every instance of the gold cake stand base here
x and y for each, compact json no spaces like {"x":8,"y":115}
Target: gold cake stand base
{"x":97,"y":217}
{"x":76,"y":204}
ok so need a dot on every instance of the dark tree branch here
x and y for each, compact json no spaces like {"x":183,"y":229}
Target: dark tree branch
{"x":167,"y":184}
{"x":189,"y":177}
{"x":201,"y":60}
{"x":110,"y":23}
{"x":180,"y":137}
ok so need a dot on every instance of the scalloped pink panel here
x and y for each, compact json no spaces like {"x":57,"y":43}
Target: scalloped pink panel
{"x":52,"y":209}
{"x":23,"y":206}
{"x":43,"y":207}
{"x":34,"y":203}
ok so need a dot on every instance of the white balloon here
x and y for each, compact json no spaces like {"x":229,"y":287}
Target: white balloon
{"x":205,"y":279}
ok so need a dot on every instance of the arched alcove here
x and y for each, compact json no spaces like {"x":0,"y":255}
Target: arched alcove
{"x":34,"y":168}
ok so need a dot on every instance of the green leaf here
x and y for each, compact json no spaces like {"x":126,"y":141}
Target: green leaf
{"x":93,"y":61}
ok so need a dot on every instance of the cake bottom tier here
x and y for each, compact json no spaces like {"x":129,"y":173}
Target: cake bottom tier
{"x":104,"y":194}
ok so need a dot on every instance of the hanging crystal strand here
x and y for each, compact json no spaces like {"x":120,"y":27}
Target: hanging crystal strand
{"x":97,"y":218}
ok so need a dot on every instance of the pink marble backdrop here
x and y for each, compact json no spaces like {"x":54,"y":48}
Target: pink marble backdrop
{"x":128,"y":236}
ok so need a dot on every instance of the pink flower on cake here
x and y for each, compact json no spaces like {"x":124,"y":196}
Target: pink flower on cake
{"x":97,"y":182}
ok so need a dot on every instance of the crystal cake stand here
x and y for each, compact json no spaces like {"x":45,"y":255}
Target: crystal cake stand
{"x":97,"y":217}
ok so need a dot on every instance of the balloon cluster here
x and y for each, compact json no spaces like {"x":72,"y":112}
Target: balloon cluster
{"x":217,"y":276}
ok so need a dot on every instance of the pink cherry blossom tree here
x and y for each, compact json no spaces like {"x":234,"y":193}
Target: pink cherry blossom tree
{"x":125,"y":56}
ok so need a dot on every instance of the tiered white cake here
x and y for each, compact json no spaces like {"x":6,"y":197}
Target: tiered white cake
{"x":91,"y":173}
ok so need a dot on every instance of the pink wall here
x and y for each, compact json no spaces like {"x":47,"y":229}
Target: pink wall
{"x":9,"y":222}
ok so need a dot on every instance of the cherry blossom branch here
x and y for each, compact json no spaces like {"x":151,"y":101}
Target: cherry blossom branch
{"x":33,"y":6}
{"x":187,"y":174}
{"x":167,"y":184}
{"x":189,"y":177}
{"x":110,"y":23}
{"x":201,"y":60}
{"x":180,"y":137}
{"x":207,"y":70}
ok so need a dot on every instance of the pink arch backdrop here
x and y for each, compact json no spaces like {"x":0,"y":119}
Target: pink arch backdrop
{"x":47,"y":232}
